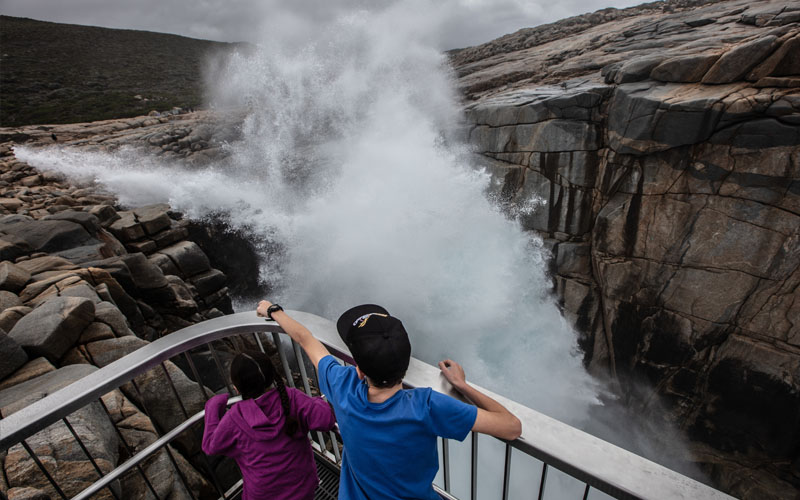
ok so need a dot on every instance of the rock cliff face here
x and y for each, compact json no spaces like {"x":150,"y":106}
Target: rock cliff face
{"x":657,"y":151}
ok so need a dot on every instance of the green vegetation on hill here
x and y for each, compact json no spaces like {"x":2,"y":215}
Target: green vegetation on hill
{"x":64,"y":73}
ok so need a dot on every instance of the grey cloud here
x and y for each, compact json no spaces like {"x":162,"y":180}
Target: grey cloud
{"x":467,"y":22}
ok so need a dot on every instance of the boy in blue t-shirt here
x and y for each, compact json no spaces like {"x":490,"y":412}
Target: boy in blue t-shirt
{"x":390,"y":433}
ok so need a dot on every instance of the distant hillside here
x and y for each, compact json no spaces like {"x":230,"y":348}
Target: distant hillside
{"x":64,"y":73}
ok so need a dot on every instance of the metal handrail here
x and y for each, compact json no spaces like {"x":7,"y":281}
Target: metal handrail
{"x":597,"y":463}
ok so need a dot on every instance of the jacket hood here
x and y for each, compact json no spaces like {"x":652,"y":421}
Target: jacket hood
{"x":260,"y":418}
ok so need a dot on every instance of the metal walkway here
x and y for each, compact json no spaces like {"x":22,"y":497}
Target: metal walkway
{"x":548,"y":453}
{"x":328,"y":488}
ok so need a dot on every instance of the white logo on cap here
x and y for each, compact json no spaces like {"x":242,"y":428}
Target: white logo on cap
{"x":361,"y":321}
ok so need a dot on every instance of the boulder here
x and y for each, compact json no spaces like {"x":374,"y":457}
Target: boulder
{"x":28,"y":371}
{"x":686,"y":68}
{"x":96,"y":331}
{"x":46,"y":263}
{"x":46,"y":236}
{"x":10,"y":316}
{"x":127,"y":228}
{"x":89,"y":222}
{"x":12,"y":277}
{"x":164,"y":263}
{"x":187,"y":257}
{"x":208,"y":282}
{"x":26,"y":493}
{"x":13,"y":247}
{"x":105,"y":214}
{"x":145,"y":275}
{"x":170,"y":236}
{"x":12,"y":354}
{"x":635,"y":70}
{"x":153,"y":218}
{"x":735,"y":64}
{"x":53,"y":327}
{"x":785,"y":61}
{"x":110,"y":315}
{"x":9,"y":299}
{"x":72,"y":286}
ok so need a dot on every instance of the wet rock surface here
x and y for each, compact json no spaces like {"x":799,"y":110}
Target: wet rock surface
{"x":656,"y":149}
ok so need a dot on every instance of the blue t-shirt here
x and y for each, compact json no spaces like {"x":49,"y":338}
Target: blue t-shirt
{"x":390,"y":447}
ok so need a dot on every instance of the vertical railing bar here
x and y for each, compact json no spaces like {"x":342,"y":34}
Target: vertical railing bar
{"x":258,"y":341}
{"x":298,"y":356}
{"x":474,"y":468}
{"x":160,"y":432}
{"x":175,"y":391}
{"x":507,"y":472}
{"x":88,"y":455}
{"x":196,"y":374}
{"x":220,"y":369}
{"x":586,"y":492}
{"x":446,"y":463}
{"x":276,"y":338}
{"x":129,"y":450}
{"x":543,"y":481}
{"x":43,"y":469}
{"x":335,"y":445}
{"x":320,"y":435}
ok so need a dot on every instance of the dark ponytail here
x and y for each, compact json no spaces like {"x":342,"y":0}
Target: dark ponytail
{"x":252,"y":372}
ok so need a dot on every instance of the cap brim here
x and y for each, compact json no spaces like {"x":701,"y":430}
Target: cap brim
{"x":350,"y":316}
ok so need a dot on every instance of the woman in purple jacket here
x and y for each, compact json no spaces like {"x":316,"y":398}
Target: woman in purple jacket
{"x":267,"y":431}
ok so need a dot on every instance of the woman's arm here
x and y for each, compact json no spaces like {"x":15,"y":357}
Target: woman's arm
{"x":216,"y":440}
{"x":493,"y":418}
{"x":315,"y":412}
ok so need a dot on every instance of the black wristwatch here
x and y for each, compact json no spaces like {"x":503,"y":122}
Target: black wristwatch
{"x":272,"y":309}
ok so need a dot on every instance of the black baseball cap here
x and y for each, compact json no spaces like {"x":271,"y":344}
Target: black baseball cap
{"x":378,"y":342}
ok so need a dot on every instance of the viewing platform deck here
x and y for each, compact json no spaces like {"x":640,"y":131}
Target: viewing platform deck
{"x":550,"y":460}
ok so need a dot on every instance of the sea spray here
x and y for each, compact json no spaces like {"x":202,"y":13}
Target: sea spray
{"x":350,"y":162}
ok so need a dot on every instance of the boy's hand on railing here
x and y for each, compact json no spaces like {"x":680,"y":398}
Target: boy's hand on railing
{"x":492,"y":418}
{"x":454,"y":373}
{"x":261,"y":310}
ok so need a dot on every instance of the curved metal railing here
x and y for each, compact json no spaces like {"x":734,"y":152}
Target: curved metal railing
{"x":549,"y":451}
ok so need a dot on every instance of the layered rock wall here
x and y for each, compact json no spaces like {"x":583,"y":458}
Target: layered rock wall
{"x":663,"y":173}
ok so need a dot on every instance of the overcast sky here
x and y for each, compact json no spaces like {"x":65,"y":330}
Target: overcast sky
{"x":468,"y":22}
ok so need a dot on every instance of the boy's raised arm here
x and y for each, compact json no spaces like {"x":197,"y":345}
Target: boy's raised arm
{"x":493,"y":418}
{"x":314,"y":349}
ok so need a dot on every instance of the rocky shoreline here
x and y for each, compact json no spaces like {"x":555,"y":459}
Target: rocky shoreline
{"x":83,"y":283}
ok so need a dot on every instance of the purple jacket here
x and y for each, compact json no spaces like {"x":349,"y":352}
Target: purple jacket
{"x":273,"y":464}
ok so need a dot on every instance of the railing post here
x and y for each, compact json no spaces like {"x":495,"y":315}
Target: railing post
{"x":446,"y":464}
{"x":507,"y":472}
{"x":543,"y":481}
{"x":474,"y":468}
{"x":221,"y":370}
{"x":276,"y":339}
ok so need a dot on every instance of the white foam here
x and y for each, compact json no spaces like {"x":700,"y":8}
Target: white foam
{"x":348,"y":164}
